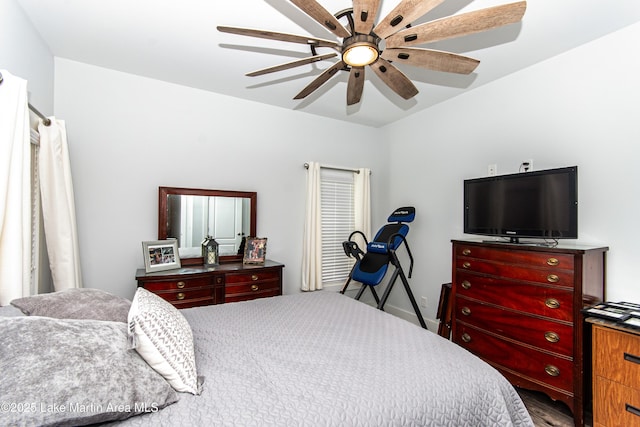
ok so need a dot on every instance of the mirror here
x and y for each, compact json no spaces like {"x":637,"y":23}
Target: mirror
{"x":190,"y":214}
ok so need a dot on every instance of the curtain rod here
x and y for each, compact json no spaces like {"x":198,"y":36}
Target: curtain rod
{"x":45,"y":120}
{"x":335,"y":168}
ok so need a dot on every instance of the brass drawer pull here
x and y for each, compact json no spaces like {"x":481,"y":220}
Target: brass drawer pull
{"x":466,"y":337}
{"x":180,"y":284}
{"x":551,"y":336}
{"x":552,"y":278}
{"x":632,"y":409}
{"x":255,"y":287}
{"x":631,"y":358}
{"x":466,"y":311}
{"x":552,"y":303}
{"x":552,"y":370}
{"x":466,"y":251}
{"x":180,"y":296}
{"x":466,"y":264}
{"x":254,"y":277}
{"x":466,"y":284}
{"x":553,"y":261}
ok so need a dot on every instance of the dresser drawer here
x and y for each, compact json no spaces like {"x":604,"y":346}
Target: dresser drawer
{"x":182,"y":283}
{"x":548,"y":301}
{"x":250,"y":291}
{"x":548,"y":335}
{"x":554,"y":276}
{"x":251,"y":285}
{"x":528,"y":258}
{"x":616,"y":356}
{"x":615,"y":404}
{"x":186,"y":295}
{"x":528,"y":363}
{"x":252,"y":277}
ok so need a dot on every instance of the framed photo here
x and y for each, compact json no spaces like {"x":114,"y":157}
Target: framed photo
{"x":255,"y":250}
{"x":160,"y":255}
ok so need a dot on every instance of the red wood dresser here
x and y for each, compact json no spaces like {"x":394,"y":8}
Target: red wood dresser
{"x":518,"y":307}
{"x":228,"y":282}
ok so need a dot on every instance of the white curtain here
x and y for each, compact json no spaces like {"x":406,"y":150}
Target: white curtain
{"x":15,"y":190}
{"x":312,"y":235}
{"x":362,"y":204}
{"x":58,"y":207}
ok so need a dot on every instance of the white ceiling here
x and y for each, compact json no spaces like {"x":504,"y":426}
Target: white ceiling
{"x":177,"y":41}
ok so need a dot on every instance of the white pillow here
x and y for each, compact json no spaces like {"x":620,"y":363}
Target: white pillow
{"x":163,"y":337}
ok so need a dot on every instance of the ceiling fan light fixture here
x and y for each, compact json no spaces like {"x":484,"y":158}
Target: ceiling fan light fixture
{"x":360,"y":50}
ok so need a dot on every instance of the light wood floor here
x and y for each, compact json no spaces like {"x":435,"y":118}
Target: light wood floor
{"x":547,"y":413}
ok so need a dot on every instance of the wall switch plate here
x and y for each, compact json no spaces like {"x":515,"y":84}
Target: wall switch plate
{"x":423,"y":302}
{"x":493,"y":170}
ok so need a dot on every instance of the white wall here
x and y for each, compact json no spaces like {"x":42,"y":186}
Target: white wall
{"x":129,"y":135}
{"x":579,"y":108}
{"x":24,"y":54}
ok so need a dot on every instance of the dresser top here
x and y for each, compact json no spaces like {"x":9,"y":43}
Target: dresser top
{"x":535,"y":246}
{"x":612,"y":325}
{"x":227,"y":267}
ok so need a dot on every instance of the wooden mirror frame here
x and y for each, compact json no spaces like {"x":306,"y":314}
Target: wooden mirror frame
{"x":163,"y":221}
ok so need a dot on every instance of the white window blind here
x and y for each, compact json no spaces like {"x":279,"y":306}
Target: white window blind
{"x":336,"y":197}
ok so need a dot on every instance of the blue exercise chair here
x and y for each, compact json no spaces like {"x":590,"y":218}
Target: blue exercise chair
{"x":371,"y":266}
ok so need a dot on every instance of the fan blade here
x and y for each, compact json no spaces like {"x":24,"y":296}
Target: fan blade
{"x":404,"y":13}
{"x":322,"y":78}
{"x":355,"y":85}
{"x":322,"y":16}
{"x":394,"y":78}
{"x":364,"y":15}
{"x":459,"y":25}
{"x":264,"y":34}
{"x":292,"y":64}
{"x":432,"y":59}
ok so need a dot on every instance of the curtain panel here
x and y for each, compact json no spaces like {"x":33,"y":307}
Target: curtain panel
{"x":312,"y":234}
{"x":58,"y":206}
{"x":15,"y":190}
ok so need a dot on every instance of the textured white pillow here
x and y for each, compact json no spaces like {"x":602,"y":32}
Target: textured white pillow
{"x":163,"y":337}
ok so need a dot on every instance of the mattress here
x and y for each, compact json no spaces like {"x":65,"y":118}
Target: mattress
{"x":325,"y":359}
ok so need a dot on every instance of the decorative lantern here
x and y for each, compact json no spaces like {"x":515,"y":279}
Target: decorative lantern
{"x":210,"y":251}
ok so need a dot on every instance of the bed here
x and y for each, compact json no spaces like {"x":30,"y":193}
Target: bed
{"x":317,"y":358}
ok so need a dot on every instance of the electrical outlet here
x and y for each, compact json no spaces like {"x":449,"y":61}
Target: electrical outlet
{"x":423,"y":302}
{"x":493,"y":170}
{"x":527,"y":165}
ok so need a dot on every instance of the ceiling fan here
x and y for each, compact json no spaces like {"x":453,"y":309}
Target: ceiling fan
{"x":385,"y":43}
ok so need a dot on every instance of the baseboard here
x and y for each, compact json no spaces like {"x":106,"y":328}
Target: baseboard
{"x":432,"y":324}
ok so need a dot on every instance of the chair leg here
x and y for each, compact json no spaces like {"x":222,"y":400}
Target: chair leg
{"x":346,"y":285}
{"x":387,"y":291}
{"x":413,"y":300}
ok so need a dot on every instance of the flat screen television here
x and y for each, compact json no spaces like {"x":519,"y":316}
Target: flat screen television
{"x":538,"y":204}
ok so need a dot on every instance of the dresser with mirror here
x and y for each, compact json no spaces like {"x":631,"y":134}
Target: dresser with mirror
{"x":189,"y":215}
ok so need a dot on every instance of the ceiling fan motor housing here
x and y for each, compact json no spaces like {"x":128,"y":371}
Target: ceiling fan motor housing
{"x":360,"y":44}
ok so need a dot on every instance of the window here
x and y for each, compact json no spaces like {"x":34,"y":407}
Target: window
{"x":338,"y":222}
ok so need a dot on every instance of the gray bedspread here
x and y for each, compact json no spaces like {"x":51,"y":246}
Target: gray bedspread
{"x":324,"y":359}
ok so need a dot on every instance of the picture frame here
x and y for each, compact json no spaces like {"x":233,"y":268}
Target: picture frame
{"x":255,"y":250}
{"x":160,"y":255}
